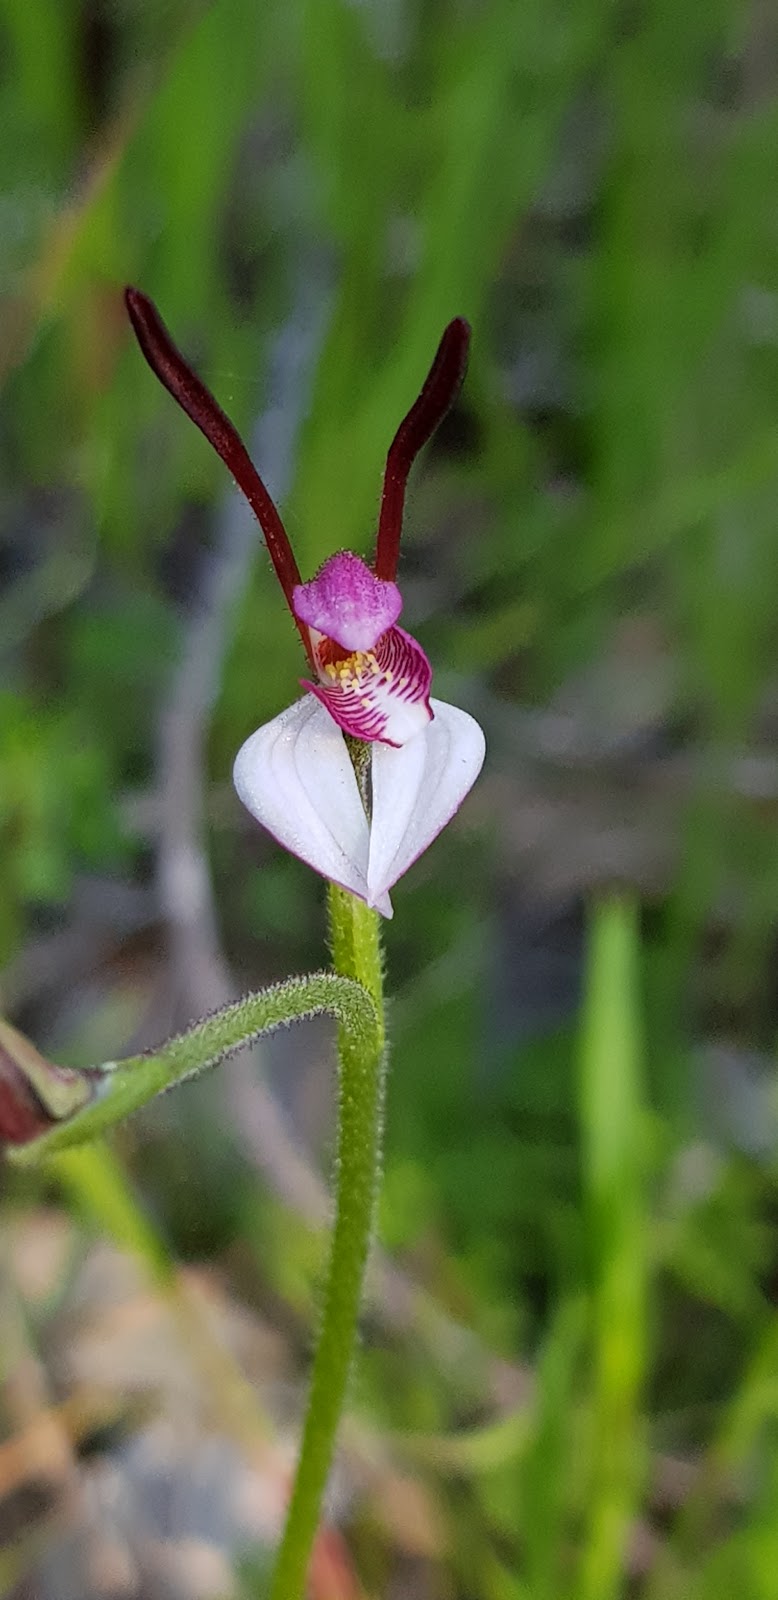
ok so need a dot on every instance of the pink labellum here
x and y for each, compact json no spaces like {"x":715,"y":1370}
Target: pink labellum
{"x":347,"y":602}
{"x":295,"y":776}
{"x":378,"y":694}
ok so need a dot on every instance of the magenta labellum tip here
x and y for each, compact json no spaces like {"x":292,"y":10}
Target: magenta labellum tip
{"x":347,"y":602}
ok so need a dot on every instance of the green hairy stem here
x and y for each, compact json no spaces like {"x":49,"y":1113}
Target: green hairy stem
{"x":356,"y":950}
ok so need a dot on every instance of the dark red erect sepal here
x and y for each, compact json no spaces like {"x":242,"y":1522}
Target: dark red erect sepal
{"x":188,"y":390}
{"x":439,"y":391}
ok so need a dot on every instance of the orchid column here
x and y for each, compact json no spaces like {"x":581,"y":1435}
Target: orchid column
{"x":356,"y":778}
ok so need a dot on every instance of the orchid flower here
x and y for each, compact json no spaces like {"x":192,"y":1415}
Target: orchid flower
{"x":359,"y":776}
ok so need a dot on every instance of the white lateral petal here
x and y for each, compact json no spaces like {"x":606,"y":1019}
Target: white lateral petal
{"x":295,"y":776}
{"x":417,"y":789}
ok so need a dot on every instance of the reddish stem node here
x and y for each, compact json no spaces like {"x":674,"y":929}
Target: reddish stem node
{"x":438,"y":394}
{"x":168,"y":364}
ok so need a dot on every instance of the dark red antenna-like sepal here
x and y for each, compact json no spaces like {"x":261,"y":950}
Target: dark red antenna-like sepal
{"x":440,"y":390}
{"x":168,"y":364}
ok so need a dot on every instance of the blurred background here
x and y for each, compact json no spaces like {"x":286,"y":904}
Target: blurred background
{"x":568,"y":1379}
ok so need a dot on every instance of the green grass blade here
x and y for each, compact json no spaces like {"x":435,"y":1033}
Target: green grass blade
{"x":611,"y":1115}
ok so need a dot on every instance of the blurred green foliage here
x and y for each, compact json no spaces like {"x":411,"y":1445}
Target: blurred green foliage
{"x":594,"y":538}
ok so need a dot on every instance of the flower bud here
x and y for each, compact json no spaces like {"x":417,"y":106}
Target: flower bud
{"x":34,"y":1093}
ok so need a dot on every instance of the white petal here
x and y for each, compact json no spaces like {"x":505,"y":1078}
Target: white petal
{"x":295,"y":776}
{"x":416,"y":791}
